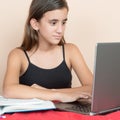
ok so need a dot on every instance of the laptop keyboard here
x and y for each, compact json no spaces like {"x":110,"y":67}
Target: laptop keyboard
{"x":84,"y":108}
{"x":79,"y":107}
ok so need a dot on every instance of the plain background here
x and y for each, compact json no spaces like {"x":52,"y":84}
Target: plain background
{"x":89,"y":22}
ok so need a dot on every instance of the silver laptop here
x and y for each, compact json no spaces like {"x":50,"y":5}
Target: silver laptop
{"x":106,"y":83}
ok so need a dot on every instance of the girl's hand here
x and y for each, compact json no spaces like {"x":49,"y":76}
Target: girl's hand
{"x":86,"y":99}
{"x":71,"y":97}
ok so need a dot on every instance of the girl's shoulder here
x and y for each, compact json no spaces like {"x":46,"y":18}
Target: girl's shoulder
{"x":16,"y":54}
{"x":73,"y":52}
{"x":71,"y":48}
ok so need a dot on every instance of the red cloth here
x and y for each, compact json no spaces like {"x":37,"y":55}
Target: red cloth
{"x":57,"y":115}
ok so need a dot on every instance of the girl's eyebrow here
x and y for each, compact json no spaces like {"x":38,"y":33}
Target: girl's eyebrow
{"x":58,"y":20}
{"x":65,"y":19}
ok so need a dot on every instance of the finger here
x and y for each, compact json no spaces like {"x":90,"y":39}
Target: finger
{"x":86,"y":94}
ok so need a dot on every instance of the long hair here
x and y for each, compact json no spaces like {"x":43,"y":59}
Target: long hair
{"x":37,"y":9}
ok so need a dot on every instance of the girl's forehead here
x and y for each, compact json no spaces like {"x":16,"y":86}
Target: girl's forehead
{"x":58,"y":13}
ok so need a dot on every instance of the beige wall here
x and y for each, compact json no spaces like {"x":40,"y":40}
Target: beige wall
{"x":89,"y":21}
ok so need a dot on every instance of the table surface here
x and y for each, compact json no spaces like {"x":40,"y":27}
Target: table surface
{"x":60,"y":115}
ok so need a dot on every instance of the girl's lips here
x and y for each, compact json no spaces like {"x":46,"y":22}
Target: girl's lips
{"x":57,"y":37}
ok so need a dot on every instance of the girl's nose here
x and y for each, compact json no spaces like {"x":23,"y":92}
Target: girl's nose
{"x":59,"y":28}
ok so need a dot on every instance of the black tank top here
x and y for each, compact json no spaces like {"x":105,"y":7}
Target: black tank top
{"x":59,"y":77}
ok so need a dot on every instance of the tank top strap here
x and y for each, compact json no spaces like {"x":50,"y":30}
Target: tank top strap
{"x":63,"y":50}
{"x":26,"y":56}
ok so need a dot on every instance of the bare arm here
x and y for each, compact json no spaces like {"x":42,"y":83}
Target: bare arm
{"x":12,"y":88}
{"x":77,"y":63}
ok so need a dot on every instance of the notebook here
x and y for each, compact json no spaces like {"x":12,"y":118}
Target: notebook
{"x":106,"y":83}
{"x":11,"y":105}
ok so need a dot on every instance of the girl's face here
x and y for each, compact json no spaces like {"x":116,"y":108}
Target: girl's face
{"x":52,"y":26}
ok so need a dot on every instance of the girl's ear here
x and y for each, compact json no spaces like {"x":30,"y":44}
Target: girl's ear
{"x":34,"y":24}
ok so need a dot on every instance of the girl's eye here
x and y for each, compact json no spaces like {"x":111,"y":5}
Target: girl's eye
{"x":64,"y":22}
{"x":53,"y":23}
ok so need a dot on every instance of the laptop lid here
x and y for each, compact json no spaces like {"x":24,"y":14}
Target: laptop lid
{"x":106,"y":84}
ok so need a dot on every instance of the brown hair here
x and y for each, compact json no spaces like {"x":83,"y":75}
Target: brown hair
{"x":37,"y":10}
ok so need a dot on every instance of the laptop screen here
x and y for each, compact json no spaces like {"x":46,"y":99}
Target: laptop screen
{"x":106,"y":77}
